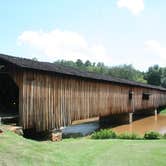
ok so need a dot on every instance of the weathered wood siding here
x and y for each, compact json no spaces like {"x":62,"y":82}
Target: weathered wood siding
{"x":49,"y":101}
{"x":17,"y":76}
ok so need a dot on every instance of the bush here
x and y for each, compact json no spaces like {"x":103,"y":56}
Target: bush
{"x":163,"y":112}
{"x":127,"y":135}
{"x":103,"y":134}
{"x":152,"y":135}
{"x":164,"y":136}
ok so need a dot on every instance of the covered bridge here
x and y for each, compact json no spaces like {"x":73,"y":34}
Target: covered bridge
{"x":47,"y":95}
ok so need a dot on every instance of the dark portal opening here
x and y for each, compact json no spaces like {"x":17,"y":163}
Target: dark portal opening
{"x":9,"y":100}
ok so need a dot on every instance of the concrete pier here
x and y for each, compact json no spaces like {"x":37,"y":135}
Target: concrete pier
{"x":130,"y":117}
{"x":155,"y":112}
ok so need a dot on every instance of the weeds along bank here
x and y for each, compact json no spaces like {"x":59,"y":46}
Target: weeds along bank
{"x":109,"y":134}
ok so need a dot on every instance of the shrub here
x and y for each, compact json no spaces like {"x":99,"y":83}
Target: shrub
{"x":164,"y":136}
{"x":103,"y":134}
{"x":127,"y":135}
{"x":152,"y":135}
{"x":163,"y":112}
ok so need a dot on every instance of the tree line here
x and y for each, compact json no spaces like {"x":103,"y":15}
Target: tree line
{"x":155,"y":74}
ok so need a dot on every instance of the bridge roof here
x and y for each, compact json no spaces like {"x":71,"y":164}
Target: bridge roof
{"x":70,"y":71}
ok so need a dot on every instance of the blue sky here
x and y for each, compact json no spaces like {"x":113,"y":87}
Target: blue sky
{"x":113,"y":31}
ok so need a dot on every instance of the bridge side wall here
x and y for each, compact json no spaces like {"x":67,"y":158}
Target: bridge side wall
{"x":50,"y":101}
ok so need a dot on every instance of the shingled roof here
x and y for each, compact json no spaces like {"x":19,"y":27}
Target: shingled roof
{"x":70,"y":71}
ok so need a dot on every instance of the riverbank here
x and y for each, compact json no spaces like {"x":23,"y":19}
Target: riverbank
{"x":17,"y":151}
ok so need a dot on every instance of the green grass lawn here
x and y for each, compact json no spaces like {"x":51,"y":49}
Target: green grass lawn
{"x":18,"y":151}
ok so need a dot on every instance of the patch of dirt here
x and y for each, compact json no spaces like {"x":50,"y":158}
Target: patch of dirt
{"x":13,"y":128}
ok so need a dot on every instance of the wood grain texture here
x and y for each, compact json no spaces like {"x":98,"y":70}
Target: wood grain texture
{"x":49,"y":101}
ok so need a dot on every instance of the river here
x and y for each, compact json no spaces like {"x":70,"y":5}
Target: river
{"x":156,"y":123}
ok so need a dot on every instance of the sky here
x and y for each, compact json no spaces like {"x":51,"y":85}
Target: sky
{"x":111,"y":31}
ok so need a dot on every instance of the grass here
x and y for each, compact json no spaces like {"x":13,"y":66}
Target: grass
{"x":130,"y":136}
{"x":163,"y":112}
{"x":18,"y":151}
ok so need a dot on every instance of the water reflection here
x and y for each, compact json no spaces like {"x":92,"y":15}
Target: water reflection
{"x":156,"y":123}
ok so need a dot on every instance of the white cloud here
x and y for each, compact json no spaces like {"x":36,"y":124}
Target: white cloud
{"x":155,"y":47}
{"x":58,"y":44}
{"x":135,"y":6}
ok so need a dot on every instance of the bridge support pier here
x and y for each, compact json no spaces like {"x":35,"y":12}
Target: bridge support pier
{"x":130,"y":117}
{"x":155,"y":112}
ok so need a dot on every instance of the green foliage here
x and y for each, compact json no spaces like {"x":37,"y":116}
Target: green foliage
{"x":34,"y":59}
{"x":163,"y":77}
{"x":156,"y":76}
{"x":127,"y":72}
{"x":107,"y":134}
{"x":66,"y":63}
{"x":127,"y":135}
{"x":87,"y":63}
{"x":164,"y":136}
{"x":79,"y":63}
{"x":122,"y":71}
{"x":152,"y":135}
{"x":163,"y":112}
{"x":153,"y":76}
{"x":163,"y":82}
{"x":103,"y":134}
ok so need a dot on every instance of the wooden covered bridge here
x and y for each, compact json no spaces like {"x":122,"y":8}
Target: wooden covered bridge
{"x":47,"y":95}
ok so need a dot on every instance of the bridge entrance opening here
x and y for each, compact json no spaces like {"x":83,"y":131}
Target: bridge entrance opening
{"x":9,"y":100}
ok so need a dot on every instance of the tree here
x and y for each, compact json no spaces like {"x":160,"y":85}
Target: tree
{"x":122,"y":71}
{"x":66,"y":63}
{"x":34,"y":59}
{"x":127,"y":72}
{"x":79,"y":63}
{"x":87,"y":63}
{"x":101,"y":68}
{"x":153,"y":76}
{"x":163,"y":82}
{"x":163,"y":77}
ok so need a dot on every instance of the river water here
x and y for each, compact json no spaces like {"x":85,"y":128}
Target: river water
{"x":156,"y":123}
